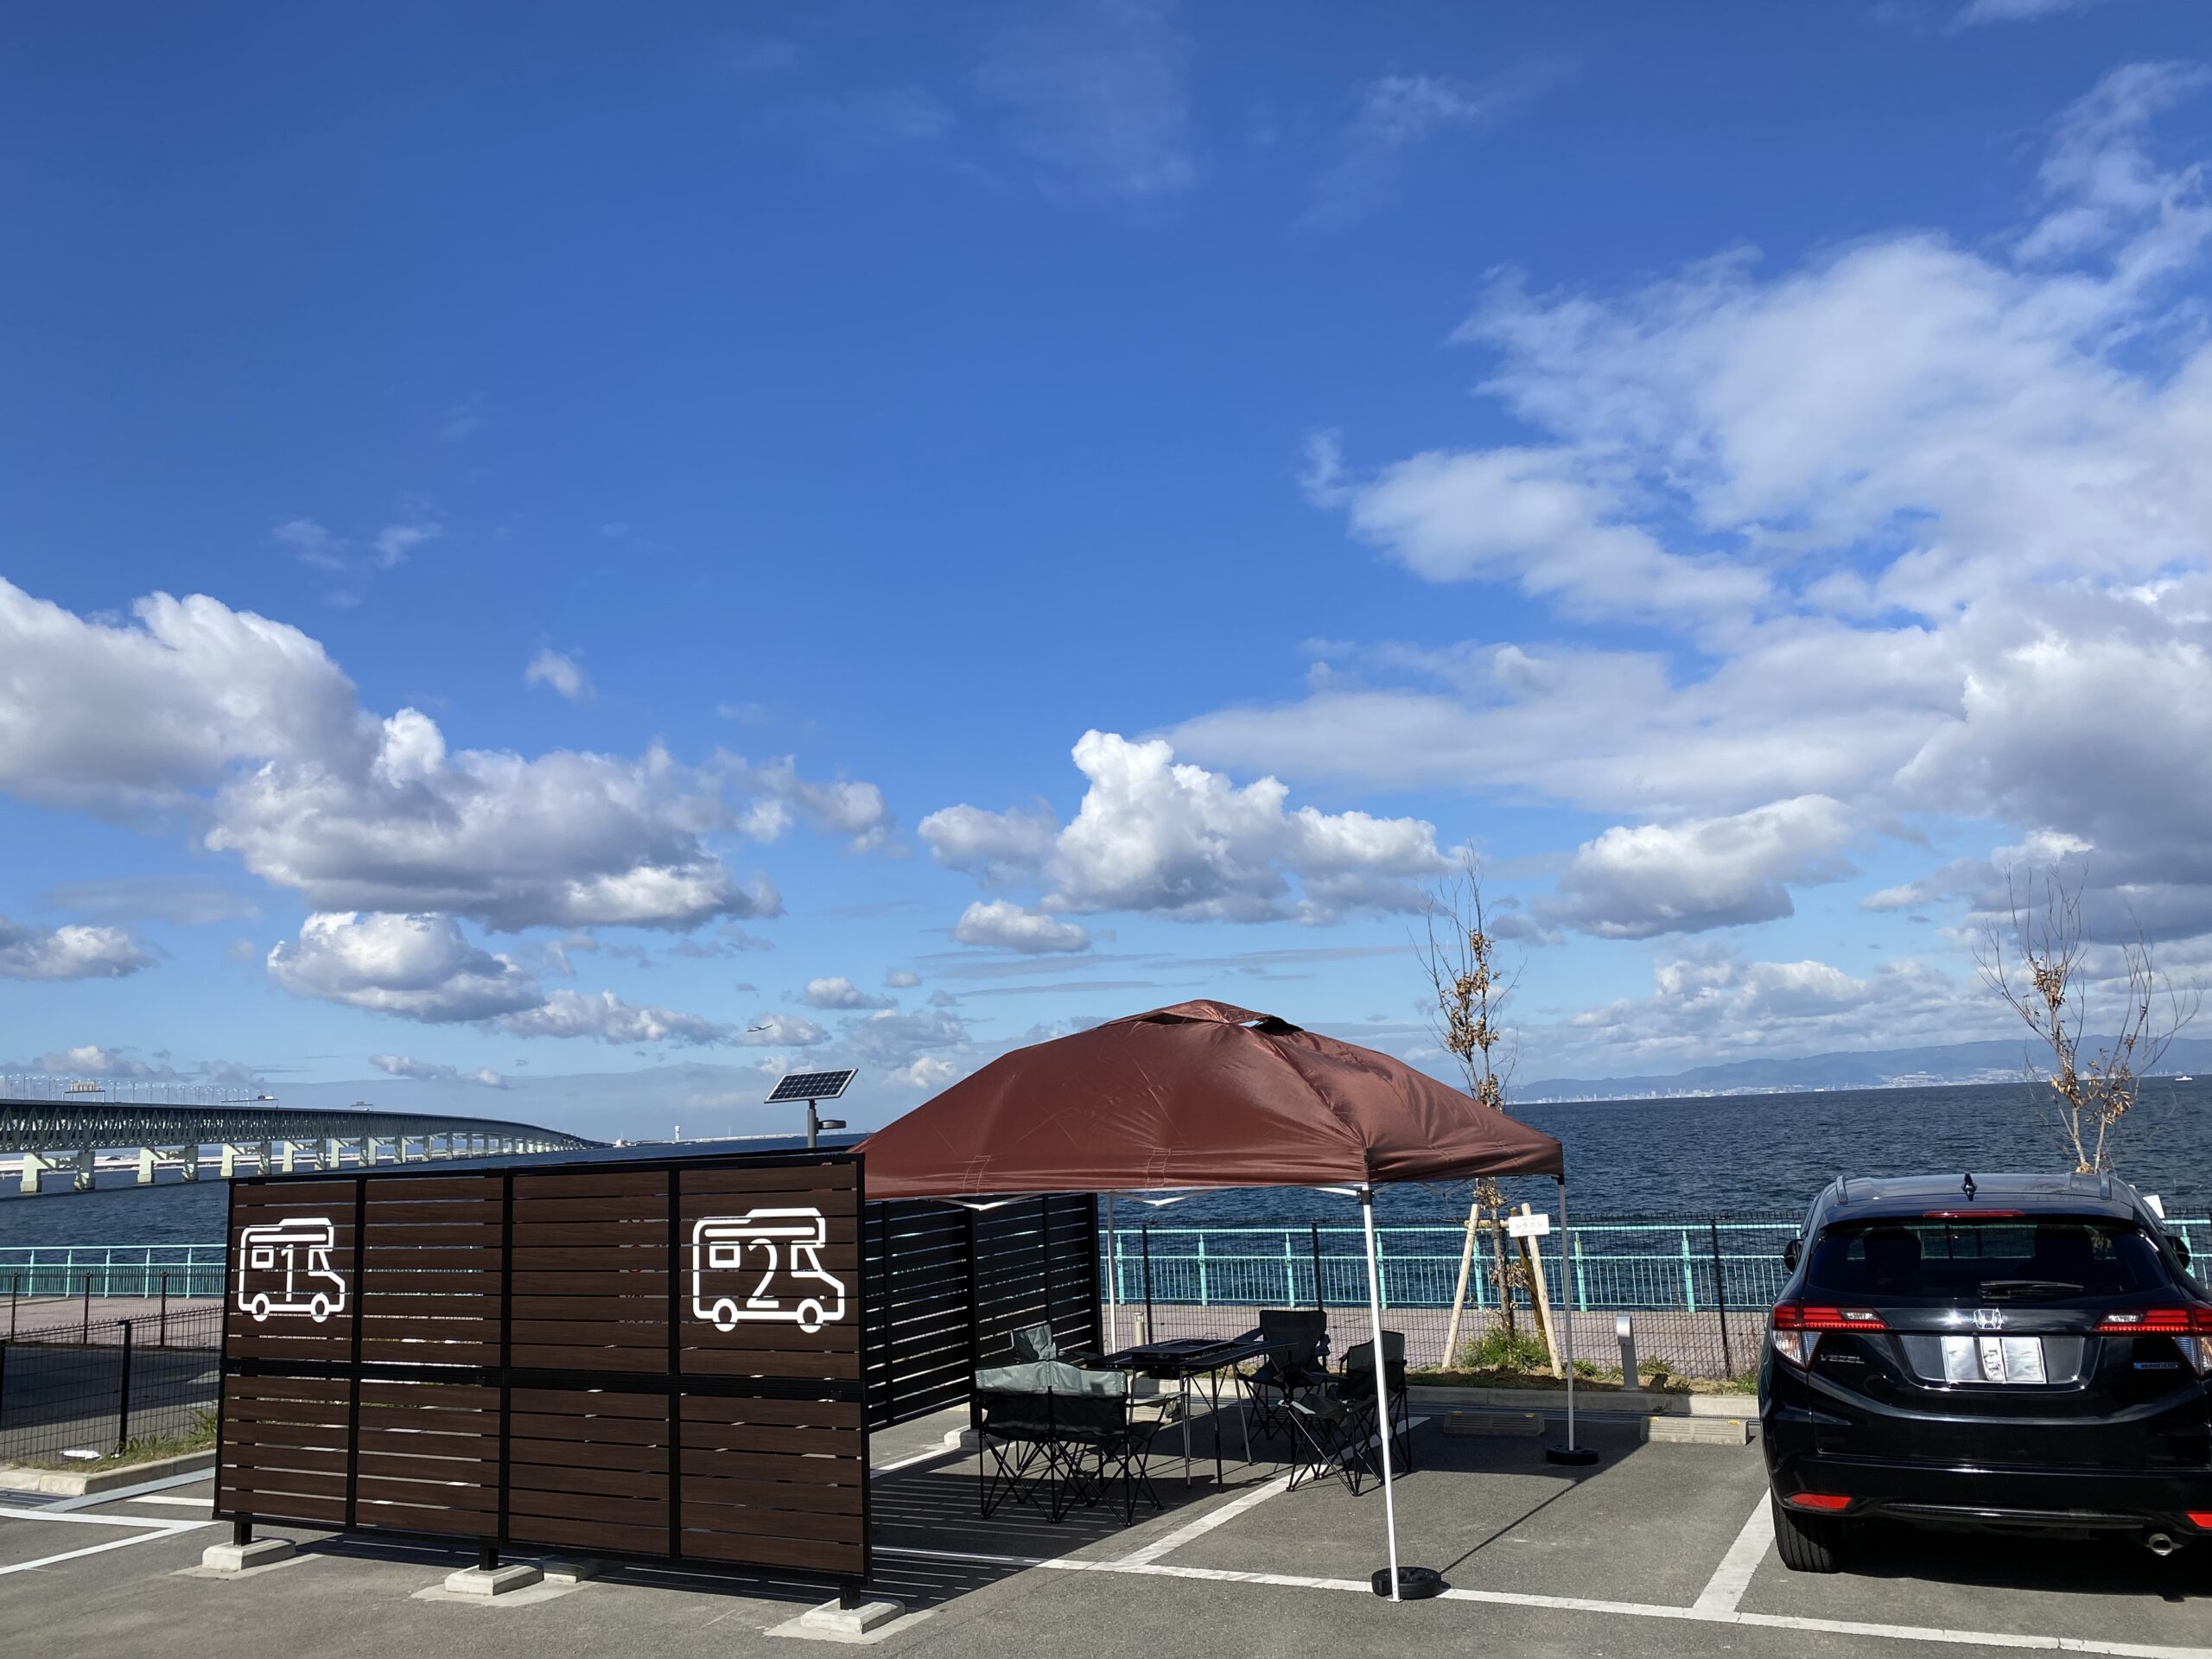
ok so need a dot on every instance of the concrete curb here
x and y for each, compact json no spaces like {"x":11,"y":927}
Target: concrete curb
{"x":67,"y":1483}
{"x":1608,"y":1402}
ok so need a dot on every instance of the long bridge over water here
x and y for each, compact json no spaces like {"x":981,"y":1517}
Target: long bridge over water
{"x":60,"y":1141}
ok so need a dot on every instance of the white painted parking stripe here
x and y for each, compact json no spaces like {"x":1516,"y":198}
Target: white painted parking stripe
{"x":158,"y":1529}
{"x":2017,"y":1641}
{"x":84,"y":1520}
{"x":1205,"y":1523}
{"x":1725,"y":1589}
{"x":184,"y":1503}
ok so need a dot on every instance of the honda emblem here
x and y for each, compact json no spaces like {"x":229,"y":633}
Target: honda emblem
{"x":1989,"y":1318}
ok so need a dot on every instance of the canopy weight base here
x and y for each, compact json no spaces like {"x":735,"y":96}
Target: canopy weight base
{"x":1414,"y":1582}
{"x":1577,"y":1456}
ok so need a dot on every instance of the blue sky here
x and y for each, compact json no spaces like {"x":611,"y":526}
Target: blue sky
{"x":1736,"y":471}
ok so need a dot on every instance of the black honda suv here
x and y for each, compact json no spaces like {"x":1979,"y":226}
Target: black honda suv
{"x":1997,"y":1352}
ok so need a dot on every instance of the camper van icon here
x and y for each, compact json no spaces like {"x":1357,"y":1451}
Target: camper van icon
{"x":285,"y":1267}
{"x":764,"y":1265}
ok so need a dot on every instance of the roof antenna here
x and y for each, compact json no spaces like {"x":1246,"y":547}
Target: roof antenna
{"x":1969,"y":1187}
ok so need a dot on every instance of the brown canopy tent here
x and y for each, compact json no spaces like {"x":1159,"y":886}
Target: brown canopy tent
{"x":1205,"y":1094}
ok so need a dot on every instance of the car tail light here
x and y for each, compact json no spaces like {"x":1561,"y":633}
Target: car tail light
{"x":2189,"y":1323}
{"x":1798,"y":1327}
{"x":1825,"y":1503}
{"x":2201,"y":1519}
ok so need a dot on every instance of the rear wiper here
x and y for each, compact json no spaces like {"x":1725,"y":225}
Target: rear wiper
{"x":1995,"y":1287}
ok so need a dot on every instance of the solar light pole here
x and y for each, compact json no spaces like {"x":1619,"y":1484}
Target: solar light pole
{"x":813,"y":1087}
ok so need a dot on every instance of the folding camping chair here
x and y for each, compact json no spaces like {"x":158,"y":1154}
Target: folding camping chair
{"x":1287,"y":1372}
{"x":1103,"y":1439}
{"x":1017,"y":1458}
{"x":1336,"y":1423}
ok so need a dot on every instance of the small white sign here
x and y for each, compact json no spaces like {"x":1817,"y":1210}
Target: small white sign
{"x":1528,"y":1226}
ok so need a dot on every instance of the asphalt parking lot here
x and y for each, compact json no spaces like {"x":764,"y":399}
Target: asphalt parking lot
{"x":1657,"y":1549}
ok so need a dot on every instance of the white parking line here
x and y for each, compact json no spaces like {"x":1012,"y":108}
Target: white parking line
{"x":154,"y":1530}
{"x":181,"y":1503}
{"x":1725,"y":1589}
{"x":83,"y":1519}
{"x":1930,"y":1633}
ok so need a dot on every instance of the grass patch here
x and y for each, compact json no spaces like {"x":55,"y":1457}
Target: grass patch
{"x":150,"y":1448}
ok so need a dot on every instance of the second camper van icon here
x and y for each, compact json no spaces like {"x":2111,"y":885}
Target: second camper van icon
{"x":766,"y":1265}
{"x":285,"y":1267}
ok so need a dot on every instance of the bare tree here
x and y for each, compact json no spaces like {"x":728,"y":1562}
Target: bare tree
{"x":2037,"y":965}
{"x":1459,"y":955}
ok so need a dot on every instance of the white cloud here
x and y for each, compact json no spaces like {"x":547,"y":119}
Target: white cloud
{"x":2015,"y":11}
{"x":73,"y":952}
{"x":836,"y":991}
{"x":1712,"y":1006}
{"x":182,"y":900}
{"x":402,"y":1065}
{"x":422,"y":967}
{"x":1394,"y":114}
{"x":1096,"y":96}
{"x":1009,"y":926}
{"x":1177,"y":840}
{"x":899,"y":979}
{"x":246,"y":724}
{"x":783,"y":1031}
{"x":929,"y":1072}
{"x":999,"y":846}
{"x":392,"y":544}
{"x":560,"y":673}
{"x":893,"y":1043}
{"x":418,"y":967}
{"x":1701,"y":872}
{"x":1918,"y":527}
{"x":608,"y":1018}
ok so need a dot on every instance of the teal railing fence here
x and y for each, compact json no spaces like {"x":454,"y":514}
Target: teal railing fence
{"x":34,"y":1270}
{"x":1619,"y":1266}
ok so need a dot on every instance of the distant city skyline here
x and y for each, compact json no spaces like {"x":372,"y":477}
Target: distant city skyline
{"x":841,"y":537}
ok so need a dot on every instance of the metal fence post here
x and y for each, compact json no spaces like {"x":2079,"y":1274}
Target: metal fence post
{"x":1313,"y":1232}
{"x":1202,"y":1270}
{"x":161,"y":1332}
{"x":123,"y":1396}
{"x":1146,"y":1235}
{"x":1289,"y":1273}
{"x":1720,"y":1299}
{"x":1689,"y":1284}
{"x":84,"y":1338}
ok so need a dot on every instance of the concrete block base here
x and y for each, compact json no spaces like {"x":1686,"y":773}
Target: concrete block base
{"x":837,"y":1620}
{"x":236,"y":1558}
{"x":1699,"y":1431}
{"x":1528,"y":1423}
{"x":563,"y":1570}
{"x":494,"y":1581}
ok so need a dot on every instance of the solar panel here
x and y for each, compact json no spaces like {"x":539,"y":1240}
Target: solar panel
{"x":811,"y":1085}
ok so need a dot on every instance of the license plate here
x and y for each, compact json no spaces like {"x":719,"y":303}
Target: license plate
{"x":1993,"y":1359}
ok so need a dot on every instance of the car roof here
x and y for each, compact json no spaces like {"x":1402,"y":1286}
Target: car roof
{"x":1857,"y":1198}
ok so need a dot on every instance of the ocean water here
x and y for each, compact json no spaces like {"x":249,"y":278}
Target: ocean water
{"x":1737,"y":1155}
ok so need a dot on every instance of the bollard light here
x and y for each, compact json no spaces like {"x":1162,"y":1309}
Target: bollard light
{"x":1625,"y":1330}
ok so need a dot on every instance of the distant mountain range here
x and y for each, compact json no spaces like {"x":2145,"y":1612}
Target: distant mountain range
{"x":1882,"y":1068}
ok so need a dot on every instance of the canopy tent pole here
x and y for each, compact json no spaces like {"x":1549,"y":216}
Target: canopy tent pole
{"x":1569,"y":1454}
{"x":1113,"y":1283}
{"x":1419,"y":1582}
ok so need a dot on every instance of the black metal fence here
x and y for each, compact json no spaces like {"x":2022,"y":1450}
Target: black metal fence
{"x":85,"y":1393}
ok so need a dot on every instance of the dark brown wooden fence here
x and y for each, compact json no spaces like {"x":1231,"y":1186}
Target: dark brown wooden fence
{"x":961,"y":1281}
{"x":590,"y":1357}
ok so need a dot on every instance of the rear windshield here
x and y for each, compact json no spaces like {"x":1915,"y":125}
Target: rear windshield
{"x":2041,"y":1259}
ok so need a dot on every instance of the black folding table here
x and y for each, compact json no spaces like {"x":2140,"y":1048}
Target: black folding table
{"x":1179,"y":1360}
